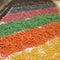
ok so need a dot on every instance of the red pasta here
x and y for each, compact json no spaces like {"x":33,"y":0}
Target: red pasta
{"x":29,"y":14}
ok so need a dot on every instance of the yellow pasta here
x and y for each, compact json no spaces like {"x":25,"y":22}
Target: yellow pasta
{"x":48,"y":51}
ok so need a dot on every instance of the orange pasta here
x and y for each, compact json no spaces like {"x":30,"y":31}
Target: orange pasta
{"x":29,"y":38}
